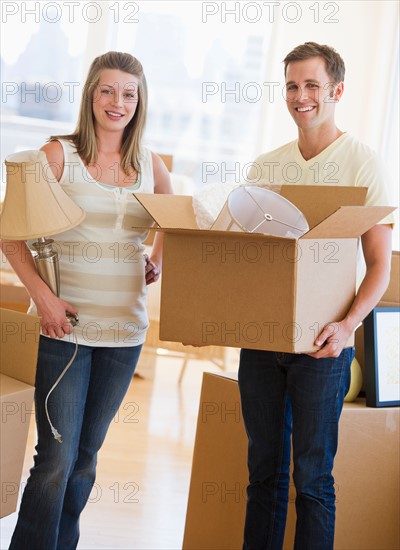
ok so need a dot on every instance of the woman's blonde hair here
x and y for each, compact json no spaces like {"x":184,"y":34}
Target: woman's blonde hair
{"x":84,"y":137}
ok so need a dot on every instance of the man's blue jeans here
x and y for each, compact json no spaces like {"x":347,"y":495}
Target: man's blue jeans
{"x":81,"y":407}
{"x":284,"y":394}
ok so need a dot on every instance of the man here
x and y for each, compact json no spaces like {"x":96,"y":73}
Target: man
{"x":302,"y":395}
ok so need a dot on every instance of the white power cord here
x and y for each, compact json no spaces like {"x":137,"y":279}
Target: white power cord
{"x":54,"y":430}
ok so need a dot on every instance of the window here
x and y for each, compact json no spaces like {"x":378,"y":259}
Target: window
{"x":214,"y":71}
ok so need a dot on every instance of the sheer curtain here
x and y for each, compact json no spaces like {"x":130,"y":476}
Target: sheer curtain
{"x":233,"y":50}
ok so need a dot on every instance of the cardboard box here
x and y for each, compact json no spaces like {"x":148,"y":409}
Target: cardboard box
{"x":259,"y":291}
{"x":391,"y":298}
{"x":19,"y":349}
{"x":366,"y":475}
{"x":392,"y":294}
{"x":14,"y":296}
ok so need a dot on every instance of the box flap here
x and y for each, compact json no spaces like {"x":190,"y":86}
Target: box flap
{"x":324,"y":207}
{"x":348,"y":222}
{"x":318,"y":202}
{"x":169,"y":211}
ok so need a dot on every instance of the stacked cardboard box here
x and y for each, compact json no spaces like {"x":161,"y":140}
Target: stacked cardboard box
{"x":19,"y":348}
{"x":366,"y":475}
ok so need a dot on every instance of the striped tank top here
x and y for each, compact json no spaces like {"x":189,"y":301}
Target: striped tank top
{"x":102,"y":268}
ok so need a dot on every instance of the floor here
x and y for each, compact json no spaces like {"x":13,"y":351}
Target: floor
{"x":140,"y":496}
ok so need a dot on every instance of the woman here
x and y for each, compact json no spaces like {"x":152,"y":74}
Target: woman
{"x":103,"y":279}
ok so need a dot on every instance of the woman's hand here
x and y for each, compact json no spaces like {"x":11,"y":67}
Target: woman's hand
{"x":152,"y":270}
{"x":52,"y":312}
{"x":50,"y":308}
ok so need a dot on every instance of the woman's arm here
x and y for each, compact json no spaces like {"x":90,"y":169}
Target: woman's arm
{"x":162,"y":184}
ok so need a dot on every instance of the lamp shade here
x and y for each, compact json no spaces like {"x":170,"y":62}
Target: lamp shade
{"x":258,"y":210}
{"x":35,"y":203}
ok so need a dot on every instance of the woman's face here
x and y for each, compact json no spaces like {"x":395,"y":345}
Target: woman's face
{"x":115,"y":100}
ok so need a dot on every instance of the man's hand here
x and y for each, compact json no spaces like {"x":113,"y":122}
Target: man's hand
{"x":152,"y":271}
{"x":333,"y":339}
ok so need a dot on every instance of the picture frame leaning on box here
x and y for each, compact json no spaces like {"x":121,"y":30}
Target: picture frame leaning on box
{"x":299,"y":397}
{"x":382,"y":345}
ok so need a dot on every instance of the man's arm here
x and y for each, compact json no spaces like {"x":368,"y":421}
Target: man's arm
{"x":377,"y":249}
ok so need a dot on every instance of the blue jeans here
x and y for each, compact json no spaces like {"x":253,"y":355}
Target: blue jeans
{"x":286,"y":395}
{"x":81,"y":408}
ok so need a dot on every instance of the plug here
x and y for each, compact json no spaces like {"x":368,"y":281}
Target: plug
{"x":73,"y":318}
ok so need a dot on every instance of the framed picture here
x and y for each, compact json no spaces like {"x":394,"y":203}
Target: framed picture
{"x":382,"y":357}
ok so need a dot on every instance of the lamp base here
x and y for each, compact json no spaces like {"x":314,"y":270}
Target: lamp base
{"x":46,"y":261}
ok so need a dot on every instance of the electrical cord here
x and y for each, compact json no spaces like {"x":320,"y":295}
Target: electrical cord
{"x":54,"y":430}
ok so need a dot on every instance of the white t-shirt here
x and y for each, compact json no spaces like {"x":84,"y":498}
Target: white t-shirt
{"x":345,"y":162}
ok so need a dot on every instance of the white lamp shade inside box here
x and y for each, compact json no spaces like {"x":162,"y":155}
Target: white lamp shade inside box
{"x":256,"y":210}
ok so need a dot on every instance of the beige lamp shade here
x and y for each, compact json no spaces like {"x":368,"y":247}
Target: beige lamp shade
{"x":35,"y":203}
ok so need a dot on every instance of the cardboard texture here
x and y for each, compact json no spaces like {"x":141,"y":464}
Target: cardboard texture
{"x":16,"y":400}
{"x":391,"y":298}
{"x":366,"y":475}
{"x":392,"y":294}
{"x":19,"y":348}
{"x":19,"y":334}
{"x":14,"y":296}
{"x":259,"y":291}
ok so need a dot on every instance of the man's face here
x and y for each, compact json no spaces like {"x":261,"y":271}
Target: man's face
{"x":311,"y":95}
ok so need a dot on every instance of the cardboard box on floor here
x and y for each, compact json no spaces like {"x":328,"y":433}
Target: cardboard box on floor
{"x":259,"y":291}
{"x":366,"y":475}
{"x":19,"y":348}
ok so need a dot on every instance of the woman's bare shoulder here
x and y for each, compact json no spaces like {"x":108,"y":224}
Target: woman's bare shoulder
{"x":55,"y":155}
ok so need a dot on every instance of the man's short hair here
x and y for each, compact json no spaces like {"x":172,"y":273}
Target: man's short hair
{"x":334,"y":63}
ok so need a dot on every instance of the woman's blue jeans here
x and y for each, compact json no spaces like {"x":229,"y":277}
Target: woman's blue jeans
{"x":81,"y":407}
{"x":285,"y":394}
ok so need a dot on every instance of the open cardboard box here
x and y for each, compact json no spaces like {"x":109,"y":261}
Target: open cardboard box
{"x":19,"y":349}
{"x":260,"y":291}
